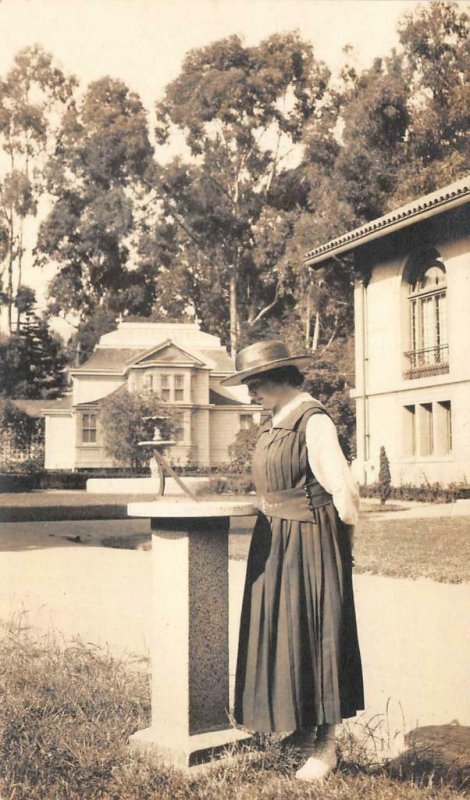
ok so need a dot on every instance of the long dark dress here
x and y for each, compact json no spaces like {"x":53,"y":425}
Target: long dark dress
{"x":298,"y":661}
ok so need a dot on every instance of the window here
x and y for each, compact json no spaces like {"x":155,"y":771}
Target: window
{"x":427,"y":429}
{"x":165,"y":391}
{"x":179,"y":388}
{"x":179,"y":427}
{"x":149,"y":383}
{"x":443,"y":428}
{"x":410,"y":430}
{"x":246,"y":421}
{"x":89,"y":426}
{"x":429,"y":350}
{"x":426,"y":438}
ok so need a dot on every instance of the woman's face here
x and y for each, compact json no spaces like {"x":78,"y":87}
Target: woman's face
{"x":266,"y":392}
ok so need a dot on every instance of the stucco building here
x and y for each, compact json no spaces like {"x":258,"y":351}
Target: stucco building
{"x":412,"y":336}
{"x":182,"y":364}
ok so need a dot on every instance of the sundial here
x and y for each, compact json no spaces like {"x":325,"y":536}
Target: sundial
{"x":161,"y":464}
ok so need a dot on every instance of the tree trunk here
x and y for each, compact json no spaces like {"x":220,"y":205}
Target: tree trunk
{"x":233,"y":314}
{"x":316,"y":331}
{"x":307,"y":323}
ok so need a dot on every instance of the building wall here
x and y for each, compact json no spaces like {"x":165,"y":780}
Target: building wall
{"x":201,"y":434}
{"x":87,"y":388}
{"x":225,"y":424}
{"x":60,"y":441}
{"x":380,"y":362}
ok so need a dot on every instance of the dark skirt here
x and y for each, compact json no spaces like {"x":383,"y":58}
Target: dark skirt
{"x":299,"y":663}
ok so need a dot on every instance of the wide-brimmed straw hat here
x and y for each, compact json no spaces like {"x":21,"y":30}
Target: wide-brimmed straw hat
{"x":262,"y":357}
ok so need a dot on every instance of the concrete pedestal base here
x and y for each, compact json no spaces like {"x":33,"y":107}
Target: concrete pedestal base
{"x":187,"y":752}
{"x":190,"y":636}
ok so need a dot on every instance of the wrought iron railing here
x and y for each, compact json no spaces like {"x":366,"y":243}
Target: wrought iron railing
{"x":427,"y":361}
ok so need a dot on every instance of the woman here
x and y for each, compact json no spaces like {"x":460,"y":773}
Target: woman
{"x":299,"y":665}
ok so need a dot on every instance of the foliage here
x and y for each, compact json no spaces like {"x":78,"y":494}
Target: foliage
{"x":229,"y":484}
{"x":20,"y":428}
{"x":241,"y":451}
{"x":97,"y":177}
{"x":126,"y":419}
{"x":385,"y":478}
{"x":81,"y":345}
{"x":241,"y":109}
{"x":330,"y":380}
{"x":32,"y":96}
{"x":424,"y":492}
{"x":32,"y":360}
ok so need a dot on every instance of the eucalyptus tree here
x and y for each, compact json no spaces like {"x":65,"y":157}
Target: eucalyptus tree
{"x":96,"y":176}
{"x":33,"y":95}
{"x":242,"y":111}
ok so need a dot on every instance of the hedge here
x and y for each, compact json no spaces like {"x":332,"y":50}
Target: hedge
{"x":425,"y":492}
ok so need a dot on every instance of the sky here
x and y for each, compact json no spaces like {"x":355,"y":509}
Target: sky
{"x":144,"y":42}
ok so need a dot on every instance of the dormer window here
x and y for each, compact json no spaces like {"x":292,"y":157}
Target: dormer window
{"x":428,"y":352}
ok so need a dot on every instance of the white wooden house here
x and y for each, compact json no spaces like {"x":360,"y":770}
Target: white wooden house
{"x":181,"y":363}
{"x":412,"y":336}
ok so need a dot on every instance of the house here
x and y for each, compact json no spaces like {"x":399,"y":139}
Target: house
{"x":412,"y":336}
{"x":182,"y":364}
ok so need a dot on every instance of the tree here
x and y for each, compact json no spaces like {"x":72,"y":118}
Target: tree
{"x":33,"y":359}
{"x":241,"y":451}
{"x":81,"y":344}
{"x":435,"y":40}
{"x":31,"y":98}
{"x":385,"y":479}
{"x":97,"y":176}
{"x":241,"y":110}
{"x":127,"y":418}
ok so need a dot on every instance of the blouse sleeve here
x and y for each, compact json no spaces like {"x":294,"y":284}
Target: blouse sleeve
{"x":330,"y":467}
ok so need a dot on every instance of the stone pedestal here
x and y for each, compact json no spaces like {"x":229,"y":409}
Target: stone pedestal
{"x":190,"y":646}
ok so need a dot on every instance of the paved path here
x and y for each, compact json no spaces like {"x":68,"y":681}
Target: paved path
{"x":412,"y":633}
{"x":416,"y":510}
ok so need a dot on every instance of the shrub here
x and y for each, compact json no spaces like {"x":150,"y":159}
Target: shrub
{"x":231,"y":484}
{"x":385,"y":479}
{"x":425,"y":492}
{"x":241,"y":451}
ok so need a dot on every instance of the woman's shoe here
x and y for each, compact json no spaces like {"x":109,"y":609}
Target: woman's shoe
{"x":317,"y":768}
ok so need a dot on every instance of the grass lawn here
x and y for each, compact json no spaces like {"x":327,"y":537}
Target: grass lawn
{"x":437,"y":548}
{"x":67,"y":712}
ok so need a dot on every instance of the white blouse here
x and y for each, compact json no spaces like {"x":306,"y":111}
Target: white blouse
{"x":327,"y":460}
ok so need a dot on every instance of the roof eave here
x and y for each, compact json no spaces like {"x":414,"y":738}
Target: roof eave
{"x":331,"y":250}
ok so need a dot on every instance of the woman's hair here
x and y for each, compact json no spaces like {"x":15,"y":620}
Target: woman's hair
{"x":289,"y":374}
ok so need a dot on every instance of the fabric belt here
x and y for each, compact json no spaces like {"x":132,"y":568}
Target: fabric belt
{"x":296,"y":504}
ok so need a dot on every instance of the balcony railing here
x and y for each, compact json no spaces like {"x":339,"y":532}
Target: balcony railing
{"x":427,"y":361}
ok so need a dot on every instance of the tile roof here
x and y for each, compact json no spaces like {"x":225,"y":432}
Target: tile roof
{"x":437,"y":202}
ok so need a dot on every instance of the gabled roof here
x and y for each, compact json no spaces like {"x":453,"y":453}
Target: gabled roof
{"x":451,"y":196}
{"x":118,"y":360}
{"x":220,"y":359}
{"x":108,"y":359}
{"x":167,"y":353}
{"x":35,"y":408}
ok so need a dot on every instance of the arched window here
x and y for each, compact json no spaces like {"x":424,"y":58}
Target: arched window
{"x":428,"y":352}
